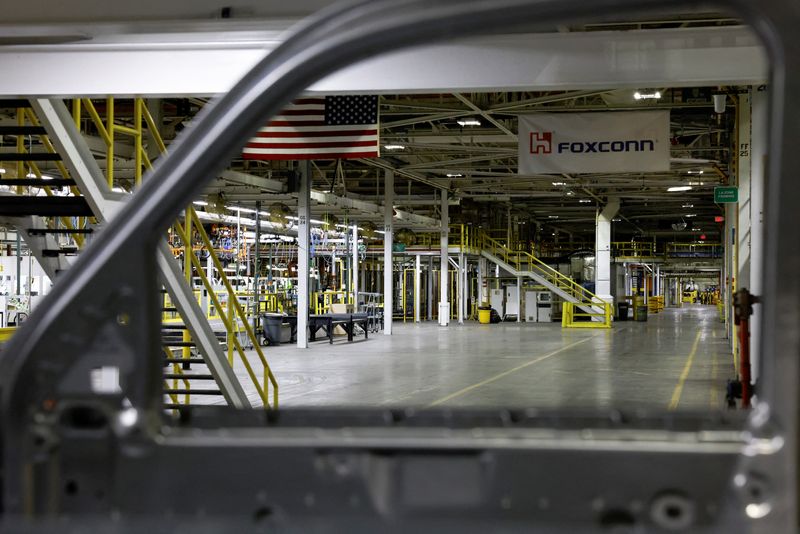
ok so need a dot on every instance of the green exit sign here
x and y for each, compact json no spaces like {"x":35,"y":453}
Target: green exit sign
{"x":726,"y":195}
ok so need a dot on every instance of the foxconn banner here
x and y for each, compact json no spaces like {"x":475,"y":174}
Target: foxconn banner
{"x":614,"y":141}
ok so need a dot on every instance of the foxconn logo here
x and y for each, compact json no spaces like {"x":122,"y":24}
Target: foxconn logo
{"x":541,"y":142}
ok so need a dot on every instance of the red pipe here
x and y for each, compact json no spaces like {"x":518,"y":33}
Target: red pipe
{"x":744,"y":360}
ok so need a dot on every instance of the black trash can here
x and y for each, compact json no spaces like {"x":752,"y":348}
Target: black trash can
{"x":622,"y":311}
{"x":271,"y":328}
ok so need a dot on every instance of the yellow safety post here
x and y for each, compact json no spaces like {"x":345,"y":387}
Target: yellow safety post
{"x":110,"y":147}
{"x":137,"y":141}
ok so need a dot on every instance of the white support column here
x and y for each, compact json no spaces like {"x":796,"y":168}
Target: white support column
{"x":429,"y":301}
{"x":444,"y":303}
{"x":417,"y":287}
{"x":743,"y":165}
{"x":388,"y":288}
{"x":355,"y":267}
{"x":519,"y":299}
{"x":759,"y":123}
{"x":602,"y":267}
{"x":461,"y":286}
{"x":303,"y":223}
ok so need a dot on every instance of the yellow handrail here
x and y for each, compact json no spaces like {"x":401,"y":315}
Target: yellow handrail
{"x":191,"y":217}
{"x":515,"y":258}
{"x":234,"y":309}
{"x":568,"y":315}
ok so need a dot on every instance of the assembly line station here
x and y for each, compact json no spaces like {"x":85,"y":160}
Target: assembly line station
{"x":436,"y":273}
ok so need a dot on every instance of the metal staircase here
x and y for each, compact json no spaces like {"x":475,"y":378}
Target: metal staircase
{"x":194,"y":357}
{"x":522,"y":263}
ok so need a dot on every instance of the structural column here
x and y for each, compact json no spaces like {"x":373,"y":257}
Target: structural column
{"x":417,"y":287}
{"x":444,"y":303}
{"x":602,"y":268}
{"x":758,"y":138}
{"x":303,"y":222}
{"x":354,"y":267}
{"x":429,"y":299}
{"x":460,"y":300}
{"x":388,"y":289}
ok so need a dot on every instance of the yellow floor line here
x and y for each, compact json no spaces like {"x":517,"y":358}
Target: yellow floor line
{"x":676,"y":395}
{"x":506,"y":373}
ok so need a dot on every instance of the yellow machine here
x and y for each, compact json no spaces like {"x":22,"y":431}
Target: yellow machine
{"x":689,"y":296}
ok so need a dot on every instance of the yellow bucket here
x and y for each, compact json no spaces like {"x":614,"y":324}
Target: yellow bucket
{"x":484,"y":316}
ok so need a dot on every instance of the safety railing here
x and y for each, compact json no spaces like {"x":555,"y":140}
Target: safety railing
{"x":322,"y":300}
{"x":524,"y":261}
{"x":633,"y":249}
{"x":236,"y":320}
{"x":694,"y":250}
{"x":109,"y":128}
{"x":232,"y":315}
{"x":573,"y":317}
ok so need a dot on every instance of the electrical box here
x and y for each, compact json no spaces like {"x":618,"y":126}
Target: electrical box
{"x":544,"y":307}
{"x":512,"y":301}
{"x":530,"y":306}
{"x":496,"y":298}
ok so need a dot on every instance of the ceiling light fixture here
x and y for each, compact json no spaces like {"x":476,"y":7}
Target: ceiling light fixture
{"x":559,"y":183}
{"x":241,"y":210}
{"x":200,"y":203}
{"x":691,"y":215}
{"x":394,"y":147}
{"x":694,"y":172}
{"x":468,"y":122}
{"x":552,"y":216}
{"x":454,"y":175}
{"x":688,"y":206}
{"x":679,"y":188}
{"x":647,"y":96}
{"x":584,"y":201}
{"x":570,"y":193}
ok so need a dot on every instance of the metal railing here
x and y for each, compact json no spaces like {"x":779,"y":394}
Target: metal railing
{"x":524,"y":261}
{"x":570,"y":313}
{"x":633,"y":249}
{"x":232,"y":315}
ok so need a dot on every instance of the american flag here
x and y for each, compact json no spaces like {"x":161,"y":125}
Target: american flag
{"x":333,"y":127}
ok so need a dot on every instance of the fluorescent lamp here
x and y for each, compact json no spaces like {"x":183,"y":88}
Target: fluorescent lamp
{"x":394,"y":147}
{"x":552,"y":216}
{"x":559,"y":183}
{"x":468,"y":122}
{"x":240,"y":210}
{"x":30,"y":175}
{"x":647,"y":96}
{"x":679,"y":188}
{"x":454,"y":175}
{"x":200,"y":203}
{"x":2,"y":170}
{"x":691,"y":215}
{"x":688,"y":206}
{"x":584,"y":201}
{"x":694,"y":172}
{"x":570,"y":193}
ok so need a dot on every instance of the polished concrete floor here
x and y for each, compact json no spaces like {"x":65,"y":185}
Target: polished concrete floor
{"x":678,"y":359}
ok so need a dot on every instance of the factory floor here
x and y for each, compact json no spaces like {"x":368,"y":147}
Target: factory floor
{"x":678,"y":359}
